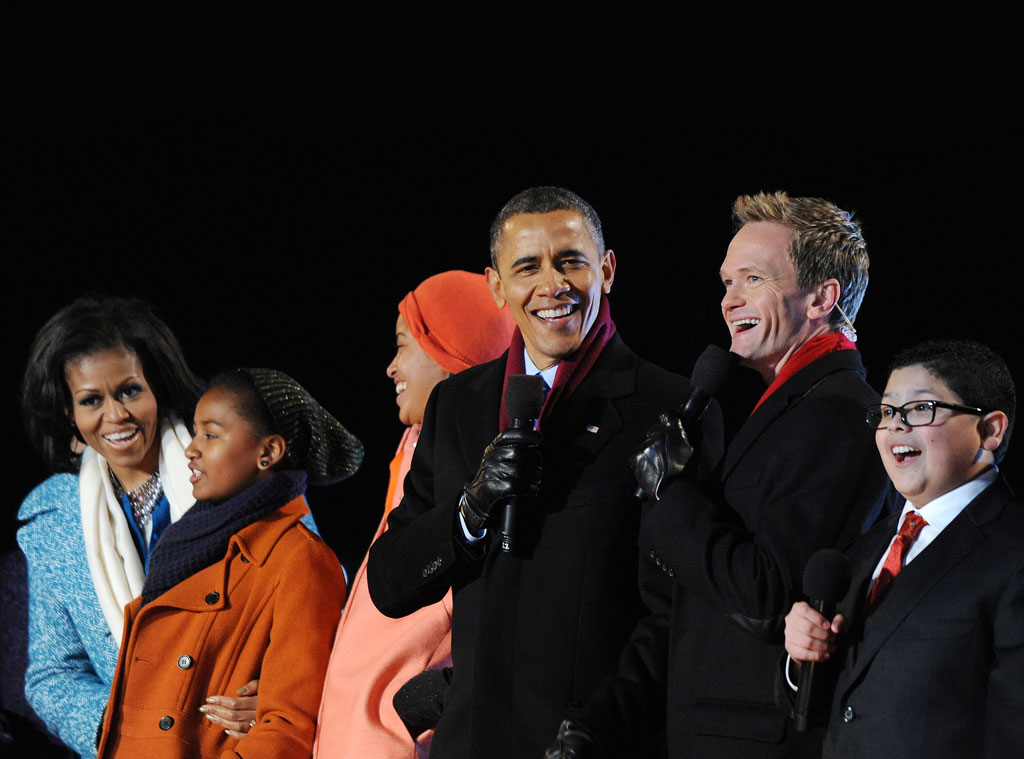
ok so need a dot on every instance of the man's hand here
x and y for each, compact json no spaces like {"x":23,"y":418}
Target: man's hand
{"x":809,"y":636}
{"x":236,"y":715}
{"x":663,"y":455}
{"x":574,"y":741}
{"x":510,"y":467}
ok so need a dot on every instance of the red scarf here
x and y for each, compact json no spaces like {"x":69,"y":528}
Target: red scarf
{"x":808,"y":353}
{"x":571,"y":371}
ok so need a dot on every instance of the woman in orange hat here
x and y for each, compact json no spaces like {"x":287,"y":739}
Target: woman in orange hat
{"x":448,"y":323}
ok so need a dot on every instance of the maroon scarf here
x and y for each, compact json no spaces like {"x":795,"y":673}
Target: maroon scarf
{"x":808,"y":353}
{"x":571,"y":371}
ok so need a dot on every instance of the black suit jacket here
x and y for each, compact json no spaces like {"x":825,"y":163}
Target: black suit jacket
{"x":937,"y":669}
{"x":724,"y":562}
{"x":532,"y":636}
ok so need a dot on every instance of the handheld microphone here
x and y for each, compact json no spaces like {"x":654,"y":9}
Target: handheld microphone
{"x":524,"y":398}
{"x":711,"y":374}
{"x":826,"y":580}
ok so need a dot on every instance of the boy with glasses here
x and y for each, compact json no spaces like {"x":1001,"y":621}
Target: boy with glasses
{"x":929,"y":642}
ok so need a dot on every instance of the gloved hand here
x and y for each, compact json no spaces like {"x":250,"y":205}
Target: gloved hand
{"x":574,"y":741}
{"x":510,"y":466}
{"x":663,"y":455}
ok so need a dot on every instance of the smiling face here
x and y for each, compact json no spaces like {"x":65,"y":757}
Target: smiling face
{"x":414,"y":373}
{"x":115,"y":412}
{"x":552,"y":276}
{"x":767,"y":314}
{"x":225,"y":455}
{"x":927,"y":461}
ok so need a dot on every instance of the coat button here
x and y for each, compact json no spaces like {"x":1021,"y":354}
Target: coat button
{"x":166,"y":723}
{"x":671,"y":572}
{"x":184,"y":661}
{"x":244,"y":560}
{"x":849,"y":714}
{"x":212,"y":597}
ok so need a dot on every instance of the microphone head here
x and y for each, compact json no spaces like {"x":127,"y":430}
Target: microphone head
{"x":713,"y":369}
{"x":827,"y":575}
{"x":524,"y":396}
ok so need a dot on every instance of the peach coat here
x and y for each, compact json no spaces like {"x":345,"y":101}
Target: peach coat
{"x":268,"y":609}
{"x":375,"y":655}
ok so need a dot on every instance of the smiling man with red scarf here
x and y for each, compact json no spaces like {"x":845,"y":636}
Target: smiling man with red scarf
{"x":535,"y":631}
{"x":727,"y":555}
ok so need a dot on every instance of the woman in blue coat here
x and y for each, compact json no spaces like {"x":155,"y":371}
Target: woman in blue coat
{"x":103,"y":399}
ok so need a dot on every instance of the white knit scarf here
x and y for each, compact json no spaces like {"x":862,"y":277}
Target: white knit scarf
{"x":114,"y":563}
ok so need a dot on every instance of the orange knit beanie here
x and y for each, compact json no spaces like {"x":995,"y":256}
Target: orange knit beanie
{"x":456,"y":321}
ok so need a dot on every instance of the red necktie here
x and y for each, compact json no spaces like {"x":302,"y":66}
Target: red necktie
{"x":909,"y":531}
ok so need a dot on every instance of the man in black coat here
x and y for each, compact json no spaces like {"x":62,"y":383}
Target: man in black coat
{"x":723,"y":558}
{"x":535,"y":631}
{"x":796,"y":478}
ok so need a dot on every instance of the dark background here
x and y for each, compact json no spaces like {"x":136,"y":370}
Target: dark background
{"x":284,"y":236}
{"x":287,"y":240}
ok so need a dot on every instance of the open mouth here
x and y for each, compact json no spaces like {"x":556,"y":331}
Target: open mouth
{"x":904,"y":453}
{"x":400,"y":387}
{"x":122,"y":439}
{"x":196,"y":476}
{"x":742,"y":325}
{"x":556,"y":314}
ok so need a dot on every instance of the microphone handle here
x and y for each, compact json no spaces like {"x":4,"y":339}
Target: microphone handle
{"x":507,"y":530}
{"x":508,"y":525}
{"x":801,"y":712}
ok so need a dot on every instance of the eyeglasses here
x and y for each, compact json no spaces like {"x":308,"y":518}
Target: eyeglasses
{"x":913,"y":414}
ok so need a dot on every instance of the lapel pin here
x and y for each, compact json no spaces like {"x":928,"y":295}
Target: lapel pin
{"x":593,"y":428}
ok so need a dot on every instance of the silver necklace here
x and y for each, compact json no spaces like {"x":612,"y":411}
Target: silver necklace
{"x":142,"y":499}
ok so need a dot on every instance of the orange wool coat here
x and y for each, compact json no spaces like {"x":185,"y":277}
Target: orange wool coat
{"x":269,"y":609}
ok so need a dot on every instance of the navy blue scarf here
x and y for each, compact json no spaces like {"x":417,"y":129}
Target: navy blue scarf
{"x":200,"y":538}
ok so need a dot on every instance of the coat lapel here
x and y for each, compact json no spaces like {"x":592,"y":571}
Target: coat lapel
{"x":785,"y":398}
{"x":477,"y":419}
{"x":254,"y":541}
{"x":588,"y":418}
{"x":916,"y":580}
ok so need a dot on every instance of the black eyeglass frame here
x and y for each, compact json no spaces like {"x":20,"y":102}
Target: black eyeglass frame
{"x":902,"y":411}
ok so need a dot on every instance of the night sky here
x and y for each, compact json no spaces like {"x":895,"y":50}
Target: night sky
{"x":286,"y":239}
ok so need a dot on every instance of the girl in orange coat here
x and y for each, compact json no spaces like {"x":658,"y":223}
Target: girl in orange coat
{"x":448,"y":323}
{"x":237,"y":588}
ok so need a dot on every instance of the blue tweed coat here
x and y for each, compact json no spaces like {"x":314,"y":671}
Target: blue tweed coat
{"x":71,"y":653}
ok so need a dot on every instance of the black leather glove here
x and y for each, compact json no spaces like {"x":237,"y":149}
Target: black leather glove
{"x":574,"y":741}
{"x":510,"y":467}
{"x":663,"y":455}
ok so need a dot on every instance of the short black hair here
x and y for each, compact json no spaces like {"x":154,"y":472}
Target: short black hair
{"x":91,"y":324}
{"x":976,"y":373}
{"x":545,"y":200}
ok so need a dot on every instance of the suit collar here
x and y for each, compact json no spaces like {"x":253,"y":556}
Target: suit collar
{"x":963,"y":536}
{"x":613,"y":376}
{"x":785,"y":398}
